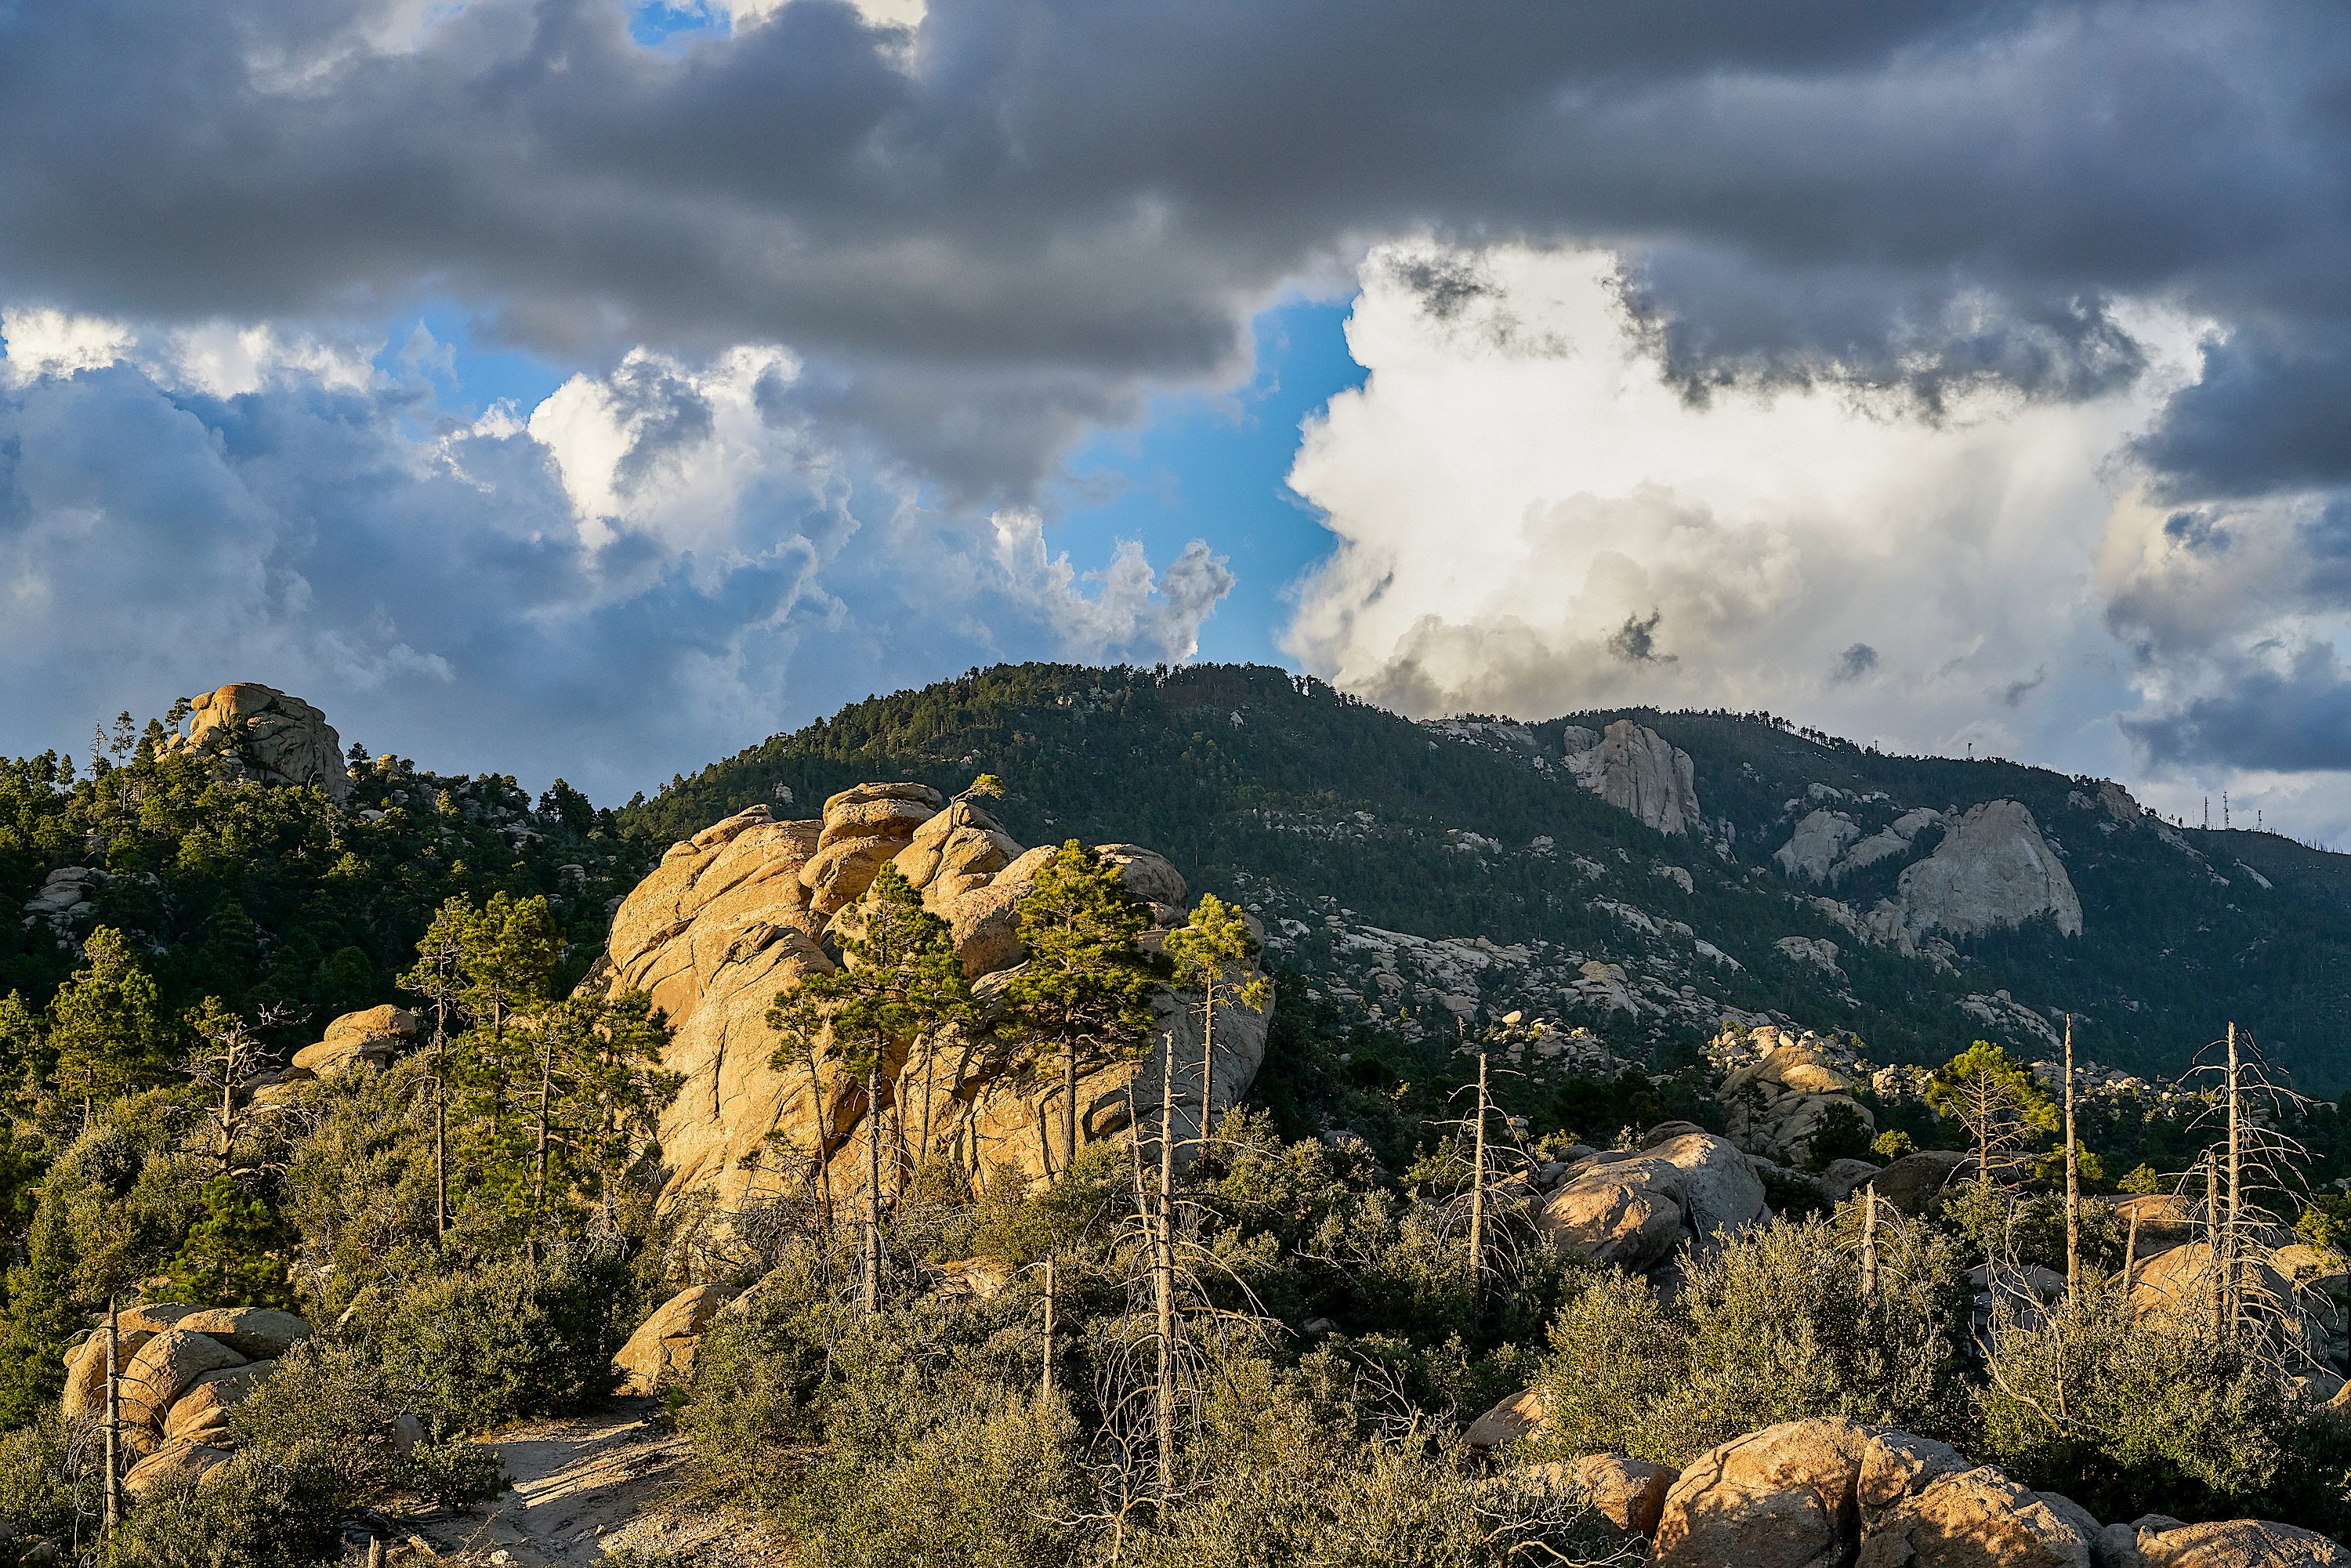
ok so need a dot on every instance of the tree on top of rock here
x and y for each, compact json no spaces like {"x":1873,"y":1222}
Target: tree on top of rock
{"x":1084,"y":993}
{"x":898,"y":981}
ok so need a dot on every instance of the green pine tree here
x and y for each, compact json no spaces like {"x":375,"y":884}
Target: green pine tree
{"x":1084,"y":994}
{"x":107,"y":1028}
{"x":898,"y":981}
{"x":234,"y":1255}
{"x":1211,"y":954}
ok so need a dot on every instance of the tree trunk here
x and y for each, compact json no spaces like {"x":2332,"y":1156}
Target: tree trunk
{"x":113,"y":1495}
{"x":1069,"y":1105}
{"x":229,"y":1113}
{"x":440,"y":1157}
{"x":873,"y":1287}
{"x":1163,"y":1272}
{"x":2073,"y":1180}
{"x":1478,"y":1187}
{"x":2230,"y":1306}
{"x":1045,"y":1381}
{"x":1207,"y":1061}
{"x":1869,"y":1242}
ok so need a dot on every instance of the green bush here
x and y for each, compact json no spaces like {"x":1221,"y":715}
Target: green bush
{"x":992,"y":1486}
{"x":1282,"y":1477}
{"x":2128,"y":1415}
{"x":509,"y":1342}
{"x":255,"y":1512}
{"x":1770,"y":1328}
{"x":326,"y":1409}
{"x":40,"y":1491}
{"x":451,"y":1476}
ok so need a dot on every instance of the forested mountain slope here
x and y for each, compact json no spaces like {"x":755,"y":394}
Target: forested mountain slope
{"x":1350,"y":829}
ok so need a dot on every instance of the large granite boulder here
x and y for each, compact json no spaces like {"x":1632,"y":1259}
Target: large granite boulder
{"x":1993,"y":869}
{"x":1638,"y":770}
{"x":165,"y":1368}
{"x":2237,"y":1544}
{"x":1978,"y":1519}
{"x":200,"y":1415}
{"x":749,"y":905}
{"x":1779,"y":1103}
{"x":1633,"y":1212}
{"x":372,"y":1036}
{"x":664,"y":1349}
{"x":1784,"y":1497}
{"x":249,"y":731}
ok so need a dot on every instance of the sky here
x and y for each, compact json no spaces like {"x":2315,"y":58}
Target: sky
{"x":579,"y":388}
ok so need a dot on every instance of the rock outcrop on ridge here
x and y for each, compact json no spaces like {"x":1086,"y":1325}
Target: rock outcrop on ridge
{"x":1992,"y":868}
{"x":1638,"y":770}
{"x":249,"y":731}
{"x":737,"y":912}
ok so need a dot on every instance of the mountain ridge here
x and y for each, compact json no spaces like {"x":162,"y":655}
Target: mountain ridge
{"x":1324,"y":812}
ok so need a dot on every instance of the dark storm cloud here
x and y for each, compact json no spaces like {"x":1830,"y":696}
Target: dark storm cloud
{"x":1082,"y":200}
{"x":2291,"y":715}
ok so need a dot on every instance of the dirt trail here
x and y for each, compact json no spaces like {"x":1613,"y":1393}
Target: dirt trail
{"x":583,"y":1489}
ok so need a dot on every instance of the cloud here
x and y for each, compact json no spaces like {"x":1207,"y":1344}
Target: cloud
{"x":1538,"y":532}
{"x":649,"y":569}
{"x":1079,"y":204}
{"x":1854,"y":664}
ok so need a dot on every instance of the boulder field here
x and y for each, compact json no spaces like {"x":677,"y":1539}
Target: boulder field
{"x":1837,"y":1494}
{"x":182,"y":1370}
{"x":737,"y":912}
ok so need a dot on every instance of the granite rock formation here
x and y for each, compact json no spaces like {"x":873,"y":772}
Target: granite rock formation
{"x":249,"y":731}
{"x":736,"y":914}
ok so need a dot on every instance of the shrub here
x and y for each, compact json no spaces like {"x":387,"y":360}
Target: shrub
{"x":39,"y":1487}
{"x":255,"y":1512}
{"x":1770,"y":1328}
{"x":509,"y":1342}
{"x":451,"y":1476}
{"x":326,"y":1408}
{"x":989,"y":1487}
{"x":2128,"y":1415}
{"x":1282,"y":1476}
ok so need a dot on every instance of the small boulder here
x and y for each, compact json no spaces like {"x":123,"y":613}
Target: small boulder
{"x":662,"y":1350}
{"x":255,"y":1333}
{"x":191,"y":1461}
{"x":1915,"y":1181}
{"x":1506,"y":1423}
{"x":1975,"y":1519}
{"x":1628,"y":1494}
{"x":2238,"y":1543}
{"x":1895,"y":1464}
{"x":1615,"y":1224}
{"x":1842,"y":1178}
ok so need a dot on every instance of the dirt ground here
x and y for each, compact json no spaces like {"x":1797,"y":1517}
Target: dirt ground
{"x":591,"y":1489}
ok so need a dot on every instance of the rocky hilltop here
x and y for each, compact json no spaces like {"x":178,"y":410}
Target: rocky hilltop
{"x":739,"y":911}
{"x":256,"y":733}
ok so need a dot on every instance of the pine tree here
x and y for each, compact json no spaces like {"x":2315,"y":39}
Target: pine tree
{"x":107,"y":1024}
{"x":505,"y":966}
{"x":438,"y":976}
{"x":1211,"y":955}
{"x":900,"y":980}
{"x":601,"y":1094}
{"x":1084,"y":993}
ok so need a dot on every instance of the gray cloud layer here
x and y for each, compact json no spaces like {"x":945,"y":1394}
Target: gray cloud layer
{"x":985,"y":238}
